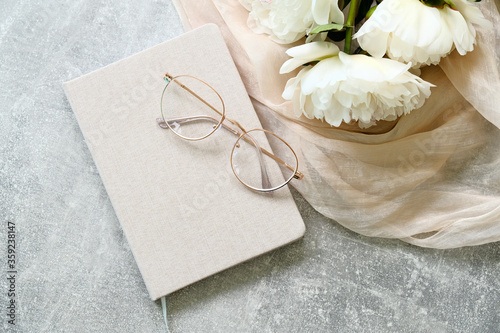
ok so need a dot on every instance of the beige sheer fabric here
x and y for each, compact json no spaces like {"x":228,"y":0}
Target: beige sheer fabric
{"x":432,"y":178}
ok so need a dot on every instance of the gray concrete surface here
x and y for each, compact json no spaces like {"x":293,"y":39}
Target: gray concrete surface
{"x":75,"y":271}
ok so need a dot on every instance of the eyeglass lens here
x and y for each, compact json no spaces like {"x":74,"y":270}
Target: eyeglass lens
{"x":191,"y":108}
{"x":257,"y":166}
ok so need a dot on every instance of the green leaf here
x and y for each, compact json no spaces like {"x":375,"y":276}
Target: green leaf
{"x":326,"y":27}
{"x":451,"y":4}
{"x":433,"y":3}
{"x":439,"y":3}
{"x":364,"y":8}
{"x":370,"y":12}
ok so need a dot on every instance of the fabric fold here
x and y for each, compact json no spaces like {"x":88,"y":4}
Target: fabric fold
{"x":429,"y":178}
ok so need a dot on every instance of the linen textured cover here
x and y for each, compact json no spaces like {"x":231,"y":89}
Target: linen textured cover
{"x":182,"y":210}
{"x":431,"y":178}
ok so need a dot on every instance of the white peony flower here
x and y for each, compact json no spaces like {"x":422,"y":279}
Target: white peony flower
{"x":343,"y":87}
{"x":410,"y":31}
{"x":287,"y":21}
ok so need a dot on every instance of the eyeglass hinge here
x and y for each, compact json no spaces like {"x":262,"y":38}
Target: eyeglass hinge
{"x":298,"y":175}
{"x":168,"y":77}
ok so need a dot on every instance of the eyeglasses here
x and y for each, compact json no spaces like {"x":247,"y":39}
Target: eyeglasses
{"x":194,"y":110}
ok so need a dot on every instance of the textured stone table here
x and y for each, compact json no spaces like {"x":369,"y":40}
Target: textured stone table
{"x":75,"y":271}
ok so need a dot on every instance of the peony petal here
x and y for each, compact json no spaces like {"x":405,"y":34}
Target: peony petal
{"x":308,"y":107}
{"x":322,"y":74}
{"x":290,"y":88}
{"x":372,"y":69}
{"x":472,"y":14}
{"x":421,"y":25}
{"x":291,"y":64}
{"x":293,"y":83}
{"x":336,"y":15}
{"x":313,"y":51}
{"x":375,"y":42}
{"x":458,"y":28}
{"x":321,"y":11}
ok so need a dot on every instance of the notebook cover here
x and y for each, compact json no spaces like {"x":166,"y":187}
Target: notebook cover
{"x":182,"y":210}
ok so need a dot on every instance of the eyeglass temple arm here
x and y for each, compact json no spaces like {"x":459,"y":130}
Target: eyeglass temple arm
{"x":169,"y":78}
{"x":163,"y":124}
{"x":183,"y":120}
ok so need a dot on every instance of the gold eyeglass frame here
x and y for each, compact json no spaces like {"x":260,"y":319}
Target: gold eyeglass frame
{"x":164,"y":124}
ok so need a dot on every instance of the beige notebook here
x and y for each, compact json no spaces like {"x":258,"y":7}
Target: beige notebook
{"x":183,"y":212}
